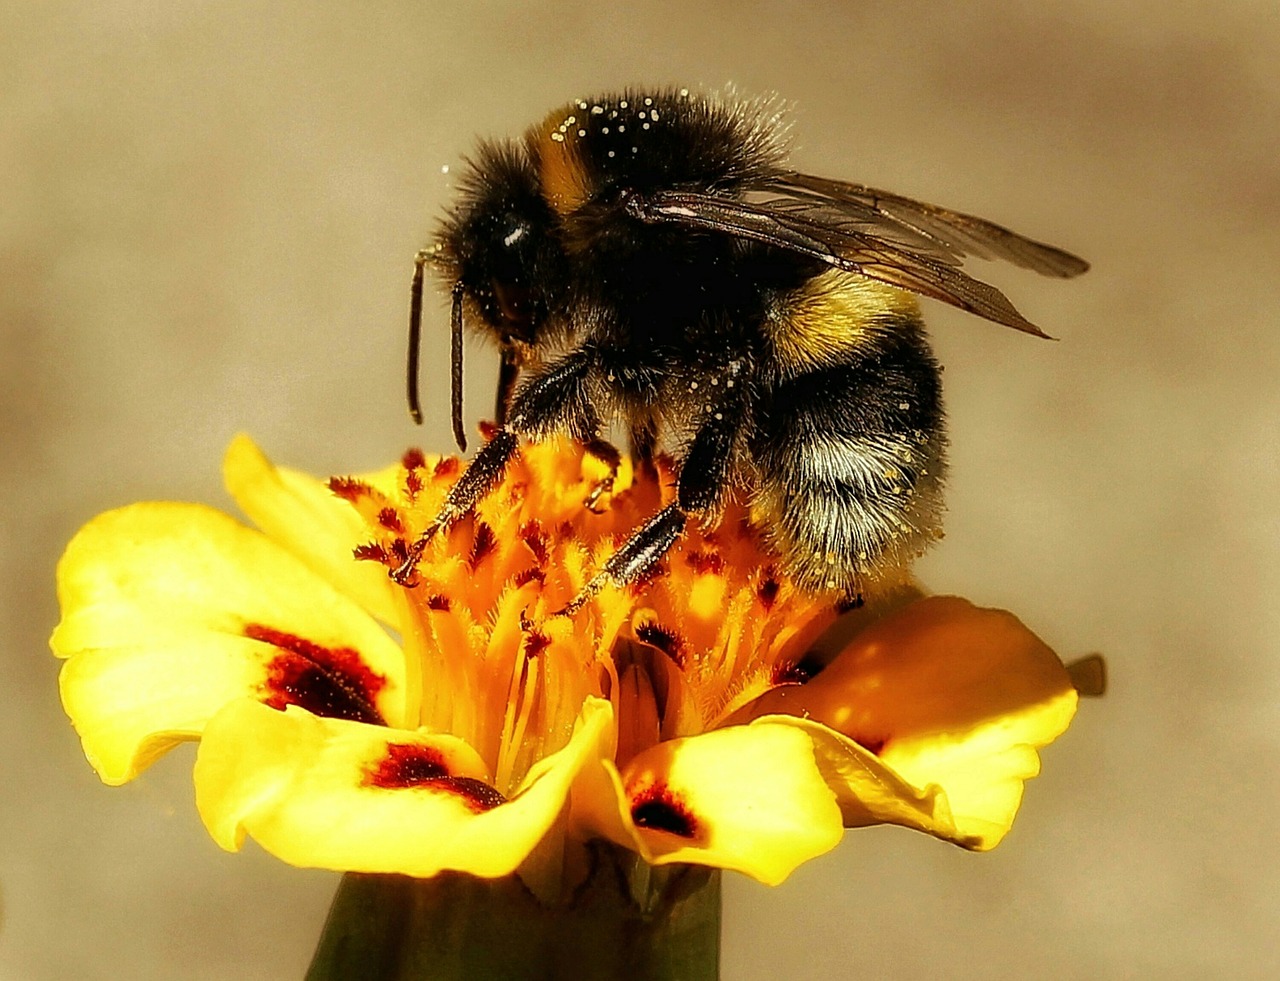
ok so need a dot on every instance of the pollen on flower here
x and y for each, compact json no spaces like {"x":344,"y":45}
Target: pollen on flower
{"x":327,"y":681}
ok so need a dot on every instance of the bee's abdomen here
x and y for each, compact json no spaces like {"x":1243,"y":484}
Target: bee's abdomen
{"x":851,"y":459}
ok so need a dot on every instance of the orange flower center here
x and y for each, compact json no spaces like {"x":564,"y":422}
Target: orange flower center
{"x":710,"y":628}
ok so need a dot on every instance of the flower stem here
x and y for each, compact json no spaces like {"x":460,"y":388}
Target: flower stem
{"x":626,"y":920}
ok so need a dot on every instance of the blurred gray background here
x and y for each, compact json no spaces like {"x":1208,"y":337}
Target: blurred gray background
{"x":209,"y":212}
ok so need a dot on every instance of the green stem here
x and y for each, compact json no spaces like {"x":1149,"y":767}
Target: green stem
{"x":626,"y":920}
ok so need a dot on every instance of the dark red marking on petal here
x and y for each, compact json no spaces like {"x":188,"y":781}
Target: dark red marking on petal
{"x":372,"y":552}
{"x":413,"y":459}
{"x":477,"y":794}
{"x":438,"y":601}
{"x":409,"y":765}
{"x":659,"y":809}
{"x":799,"y":671}
{"x":446,"y":466}
{"x":389,"y":518}
{"x":412,"y":485}
{"x":333,"y":682}
{"x":664,"y":639}
{"x":482,"y":544}
{"x":399,"y":550}
{"x":705,"y":560}
{"x":535,"y":536}
{"x":348,"y":488}
{"x":528,"y":576}
{"x":767,"y":591}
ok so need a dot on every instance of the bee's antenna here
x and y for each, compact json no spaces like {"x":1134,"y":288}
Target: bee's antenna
{"x":455,"y":366}
{"x":415,"y":335}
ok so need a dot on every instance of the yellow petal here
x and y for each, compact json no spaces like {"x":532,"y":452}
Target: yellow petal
{"x":748,"y":798}
{"x":304,"y":516}
{"x":172,"y":610}
{"x":305,"y":788}
{"x":869,"y":792}
{"x":950,"y":699}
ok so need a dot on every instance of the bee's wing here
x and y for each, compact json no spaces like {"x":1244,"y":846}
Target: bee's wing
{"x":954,"y":232}
{"x":855,"y":236}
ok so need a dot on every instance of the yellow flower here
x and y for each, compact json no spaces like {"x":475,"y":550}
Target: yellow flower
{"x":351,"y":723}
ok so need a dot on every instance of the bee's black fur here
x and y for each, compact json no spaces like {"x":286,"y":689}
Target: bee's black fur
{"x":762,"y":365}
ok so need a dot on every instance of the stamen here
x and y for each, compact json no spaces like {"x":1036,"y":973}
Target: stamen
{"x":767,"y":591}
{"x":371,"y":552}
{"x":349,"y":488}
{"x":482,"y":545}
{"x":535,"y":536}
{"x":663,"y":638}
{"x":704,"y":561}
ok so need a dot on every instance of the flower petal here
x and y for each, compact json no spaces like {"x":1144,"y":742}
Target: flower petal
{"x":334,"y":794}
{"x":304,"y":515}
{"x":945,"y":704}
{"x":869,"y":792}
{"x":172,"y":610}
{"x":749,"y":798}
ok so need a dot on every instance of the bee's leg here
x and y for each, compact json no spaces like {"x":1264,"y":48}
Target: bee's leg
{"x":647,"y":545}
{"x":703,"y":477}
{"x":508,"y":373}
{"x":555,"y":400}
{"x":608,"y":454}
{"x":481,"y":476}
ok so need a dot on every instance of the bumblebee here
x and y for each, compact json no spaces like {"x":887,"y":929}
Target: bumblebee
{"x":649,"y":261}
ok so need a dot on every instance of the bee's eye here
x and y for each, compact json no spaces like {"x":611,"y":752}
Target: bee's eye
{"x":515,"y":303}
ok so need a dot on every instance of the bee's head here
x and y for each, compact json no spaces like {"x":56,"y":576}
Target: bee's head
{"x":498,"y":247}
